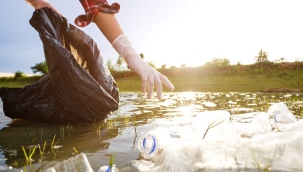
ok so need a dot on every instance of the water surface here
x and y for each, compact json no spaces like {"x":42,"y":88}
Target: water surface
{"x":117,"y":136}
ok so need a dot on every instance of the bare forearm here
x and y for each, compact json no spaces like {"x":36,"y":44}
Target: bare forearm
{"x":108,"y":25}
{"x":37,"y":4}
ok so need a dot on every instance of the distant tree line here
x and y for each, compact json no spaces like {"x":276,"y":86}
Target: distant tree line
{"x":220,"y":66}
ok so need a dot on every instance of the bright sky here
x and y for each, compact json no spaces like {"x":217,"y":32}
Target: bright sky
{"x":170,"y":31}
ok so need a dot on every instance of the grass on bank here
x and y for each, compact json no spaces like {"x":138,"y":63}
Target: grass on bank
{"x":12,"y":82}
{"x":237,"y":83}
{"x":199,"y":83}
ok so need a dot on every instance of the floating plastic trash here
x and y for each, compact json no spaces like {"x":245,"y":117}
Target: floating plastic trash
{"x":251,"y":146}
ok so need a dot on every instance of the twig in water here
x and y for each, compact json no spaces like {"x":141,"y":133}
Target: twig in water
{"x":211,"y":126}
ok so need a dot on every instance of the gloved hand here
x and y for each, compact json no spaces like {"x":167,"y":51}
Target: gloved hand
{"x":148,"y":74}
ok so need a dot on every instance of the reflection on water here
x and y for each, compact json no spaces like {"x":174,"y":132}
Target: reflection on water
{"x":118,"y":134}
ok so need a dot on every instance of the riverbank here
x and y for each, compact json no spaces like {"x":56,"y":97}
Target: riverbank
{"x":246,"y":83}
{"x":234,"y":83}
{"x":267,"y":77}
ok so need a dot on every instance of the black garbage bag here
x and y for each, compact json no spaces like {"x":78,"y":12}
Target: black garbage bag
{"x":78,"y":87}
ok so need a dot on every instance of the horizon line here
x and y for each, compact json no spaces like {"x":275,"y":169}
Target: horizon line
{"x":7,"y":74}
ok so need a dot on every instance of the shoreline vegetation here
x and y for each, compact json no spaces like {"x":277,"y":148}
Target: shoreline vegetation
{"x":265,"y":77}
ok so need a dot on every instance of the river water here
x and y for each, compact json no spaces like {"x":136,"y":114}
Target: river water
{"x":117,"y":136}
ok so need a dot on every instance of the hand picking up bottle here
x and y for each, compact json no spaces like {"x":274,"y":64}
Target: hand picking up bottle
{"x":148,"y":74}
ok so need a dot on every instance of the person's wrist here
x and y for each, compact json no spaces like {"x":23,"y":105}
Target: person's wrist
{"x":124,"y":47}
{"x":138,"y":65}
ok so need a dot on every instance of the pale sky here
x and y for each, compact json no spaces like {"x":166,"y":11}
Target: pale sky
{"x":170,"y":31}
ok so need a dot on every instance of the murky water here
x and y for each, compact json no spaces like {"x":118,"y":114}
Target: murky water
{"x":118,"y":134}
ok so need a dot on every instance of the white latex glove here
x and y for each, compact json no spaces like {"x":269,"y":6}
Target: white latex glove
{"x":148,"y":74}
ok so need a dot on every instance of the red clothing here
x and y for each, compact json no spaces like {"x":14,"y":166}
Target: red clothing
{"x":92,"y":7}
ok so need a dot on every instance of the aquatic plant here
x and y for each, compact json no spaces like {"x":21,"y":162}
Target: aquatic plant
{"x":54,"y":145}
{"x":7,"y":148}
{"x":30,"y":135}
{"x":76,"y":151}
{"x":42,"y":151}
{"x":66,"y":128}
{"x":30,"y":153}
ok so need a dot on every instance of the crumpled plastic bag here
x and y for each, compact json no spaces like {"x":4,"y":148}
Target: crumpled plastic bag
{"x":78,"y":87}
{"x":261,"y":124}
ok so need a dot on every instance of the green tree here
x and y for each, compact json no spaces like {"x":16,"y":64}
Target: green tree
{"x":110,"y":65}
{"x":18,"y":75}
{"x":150,"y":63}
{"x":262,"y":57}
{"x":163,"y":66}
{"x":218,"y":62}
{"x":282,"y":60}
{"x":40,"y":67}
{"x":119,"y":63}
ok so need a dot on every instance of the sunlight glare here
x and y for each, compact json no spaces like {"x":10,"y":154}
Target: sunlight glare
{"x":206,"y":30}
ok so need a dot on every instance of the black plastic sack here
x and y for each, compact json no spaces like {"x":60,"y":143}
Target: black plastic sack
{"x":78,"y":87}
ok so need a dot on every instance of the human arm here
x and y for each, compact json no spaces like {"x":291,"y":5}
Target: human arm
{"x":109,"y":26}
{"x":37,"y":4}
{"x":102,"y":14}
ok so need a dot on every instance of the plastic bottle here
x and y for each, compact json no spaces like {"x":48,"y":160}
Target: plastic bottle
{"x":296,"y":126}
{"x":280,"y":113}
{"x":153,"y":142}
{"x":284,"y":118}
{"x":73,"y":164}
{"x":108,"y":169}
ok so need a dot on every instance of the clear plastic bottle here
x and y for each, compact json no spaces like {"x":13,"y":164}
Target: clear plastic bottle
{"x":108,"y":168}
{"x":280,"y":113}
{"x":73,"y":164}
{"x":153,"y":142}
{"x":286,"y":118}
